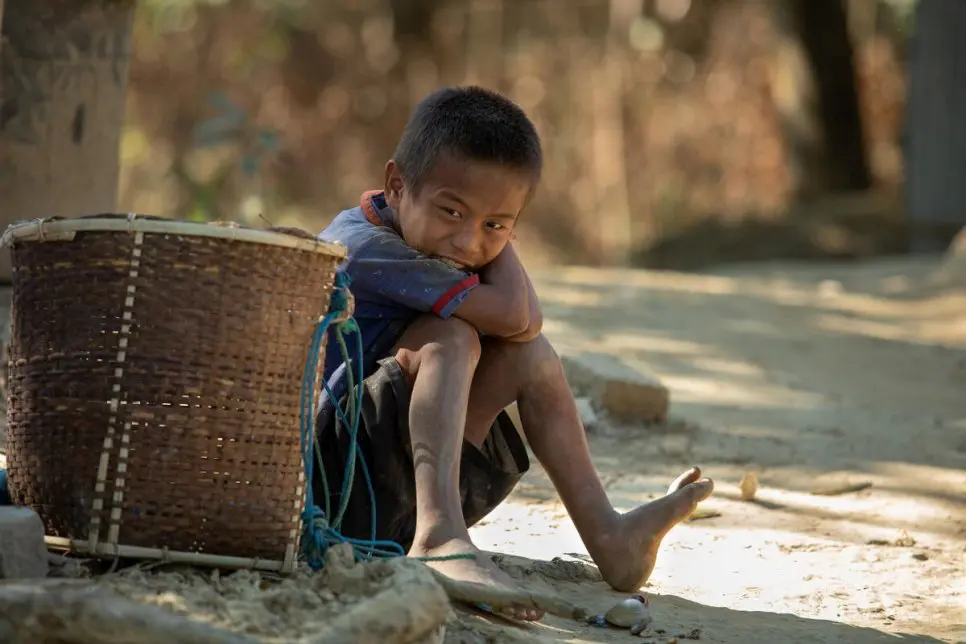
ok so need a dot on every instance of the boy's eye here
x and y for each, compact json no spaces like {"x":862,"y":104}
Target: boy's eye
{"x":492,"y":225}
{"x":452,"y":212}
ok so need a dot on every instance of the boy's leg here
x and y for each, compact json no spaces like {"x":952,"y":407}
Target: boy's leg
{"x":440,"y":357}
{"x":459,"y":388}
{"x":624,"y":546}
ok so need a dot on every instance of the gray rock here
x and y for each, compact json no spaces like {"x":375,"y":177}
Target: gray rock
{"x":23,"y":553}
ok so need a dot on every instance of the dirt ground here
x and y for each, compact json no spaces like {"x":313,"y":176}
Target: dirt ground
{"x":809,"y":375}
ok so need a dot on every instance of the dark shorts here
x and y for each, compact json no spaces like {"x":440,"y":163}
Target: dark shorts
{"x":487,"y":475}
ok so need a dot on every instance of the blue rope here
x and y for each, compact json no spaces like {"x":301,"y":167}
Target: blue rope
{"x":319,"y":533}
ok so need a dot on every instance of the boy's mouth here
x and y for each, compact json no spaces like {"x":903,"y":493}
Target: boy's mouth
{"x":452,"y":262}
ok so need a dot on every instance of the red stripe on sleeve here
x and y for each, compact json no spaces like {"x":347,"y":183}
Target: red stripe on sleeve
{"x":453,"y":291}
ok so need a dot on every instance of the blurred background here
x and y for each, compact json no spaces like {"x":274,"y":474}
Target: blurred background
{"x":677,"y":133}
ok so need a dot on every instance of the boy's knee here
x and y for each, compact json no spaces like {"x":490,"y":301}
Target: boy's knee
{"x":534,"y":358}
{"x":431,"y":338}
{"x":452,"y":338}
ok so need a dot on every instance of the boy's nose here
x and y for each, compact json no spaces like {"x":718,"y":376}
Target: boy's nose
{"x":465,"y":241}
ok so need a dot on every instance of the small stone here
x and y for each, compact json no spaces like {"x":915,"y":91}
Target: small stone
{"x":748,"y":486}
{"x":585,"y":408}
{"x":625,"y":394}
{"x":829,"y":288}
{"x":23,"y":553}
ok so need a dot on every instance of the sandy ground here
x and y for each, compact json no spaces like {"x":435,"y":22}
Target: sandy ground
{"x":809,"y":376}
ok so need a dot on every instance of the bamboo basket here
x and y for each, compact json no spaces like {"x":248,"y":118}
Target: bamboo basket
{"x":153,"y":385}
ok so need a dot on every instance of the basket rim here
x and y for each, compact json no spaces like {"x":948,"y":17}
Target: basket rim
{"x":65,"y":229}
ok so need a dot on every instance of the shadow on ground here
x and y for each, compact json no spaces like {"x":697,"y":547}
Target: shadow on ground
{"x":784,"y":350}
{"x":674,"y":617}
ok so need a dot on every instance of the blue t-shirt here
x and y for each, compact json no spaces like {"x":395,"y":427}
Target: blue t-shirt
{"x":392,"y":284}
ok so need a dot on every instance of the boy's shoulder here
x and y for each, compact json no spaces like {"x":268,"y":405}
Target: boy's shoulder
{"x":386,"y":271}
{"x":361,"y":223}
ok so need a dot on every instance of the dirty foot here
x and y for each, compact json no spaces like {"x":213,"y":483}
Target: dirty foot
{"x":626,"y":555}
{"x":481,"y":570}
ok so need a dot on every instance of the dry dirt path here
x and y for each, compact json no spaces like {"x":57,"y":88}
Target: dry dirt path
{"x":810,"y":376}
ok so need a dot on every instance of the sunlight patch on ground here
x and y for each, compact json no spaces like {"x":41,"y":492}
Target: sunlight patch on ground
{"x":869,"y":328}
{"x":949,"y":481}
{"x":751,"y":568}
{"x":528,"y":530}
{"x":657,"y":280}
{"x":718,"y":391}
{"x":647,"y":344}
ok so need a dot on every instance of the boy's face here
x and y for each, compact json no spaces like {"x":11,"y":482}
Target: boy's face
{"x":464,"y":211}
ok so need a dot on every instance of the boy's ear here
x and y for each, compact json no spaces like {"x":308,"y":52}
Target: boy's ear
{"x":394,"y":185}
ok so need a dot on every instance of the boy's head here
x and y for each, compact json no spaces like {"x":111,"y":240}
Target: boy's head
{"x":465,"y":167}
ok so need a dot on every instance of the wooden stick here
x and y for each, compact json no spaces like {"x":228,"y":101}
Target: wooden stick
{"x":501,"y":598}
{"x":703,"y":513}
{"x":71,"y":615}
{"x":847,"y":488}
{"x":172,"y":556}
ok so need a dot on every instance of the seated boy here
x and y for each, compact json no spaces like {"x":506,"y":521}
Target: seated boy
{"x":451,"y":331}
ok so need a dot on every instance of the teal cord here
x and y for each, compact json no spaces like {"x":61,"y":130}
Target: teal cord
{"x":318,"y":534}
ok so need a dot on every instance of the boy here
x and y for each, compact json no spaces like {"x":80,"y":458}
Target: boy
{"x":451,"y":331}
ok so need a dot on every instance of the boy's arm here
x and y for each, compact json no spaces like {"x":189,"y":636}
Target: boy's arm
{"x":535,"y":323}
{"x":497,"y":301}
{"x":504,"y":304}
{"x":385,"y":271}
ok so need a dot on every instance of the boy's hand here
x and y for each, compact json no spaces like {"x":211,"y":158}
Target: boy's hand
{"x":504,"y":270}
{"x":500,"y":306}
{"x":534,"y":314}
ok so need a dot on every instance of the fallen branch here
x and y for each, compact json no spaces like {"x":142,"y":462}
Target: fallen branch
{"x":70,"y":614}
{"x":703,"y":513}
{"x":836,"y":490}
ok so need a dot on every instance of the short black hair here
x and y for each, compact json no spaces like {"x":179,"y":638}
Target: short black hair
{"x":472,"y":123}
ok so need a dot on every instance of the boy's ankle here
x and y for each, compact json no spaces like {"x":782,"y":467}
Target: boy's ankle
{"x":439,"y":533}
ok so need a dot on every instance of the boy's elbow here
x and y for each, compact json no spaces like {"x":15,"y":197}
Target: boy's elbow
{"x":535,"y":323}
{"x":530,"y":332}
{"x":516,"y":324}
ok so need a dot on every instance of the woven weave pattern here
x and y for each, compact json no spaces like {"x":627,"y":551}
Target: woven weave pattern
{"x":205,"y":373}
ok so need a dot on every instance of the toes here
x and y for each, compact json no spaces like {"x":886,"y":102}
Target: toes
{"x":700,"y":490}
{"x":688,"y":477}
{"x":522,"y":613}
{"x":680,"y":503}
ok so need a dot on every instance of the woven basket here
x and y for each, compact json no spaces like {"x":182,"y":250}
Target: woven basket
{"x":154,"y":375}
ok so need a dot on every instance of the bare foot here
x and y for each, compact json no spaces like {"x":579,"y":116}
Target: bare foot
{"x":480,"y":570}
{"x":626,"y":555}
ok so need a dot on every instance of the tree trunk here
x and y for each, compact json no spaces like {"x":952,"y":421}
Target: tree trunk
{"x":815,"y":93}
{"x":413,"y":31}
{"x":484,"y":34}
{"x":64,"y":69}
{"x":609,"y":159}
{"x":936,"y":143}
{"x":3,"y":45}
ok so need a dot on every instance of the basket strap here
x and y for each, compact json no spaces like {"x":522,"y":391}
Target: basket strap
{"x":110,"y":436}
